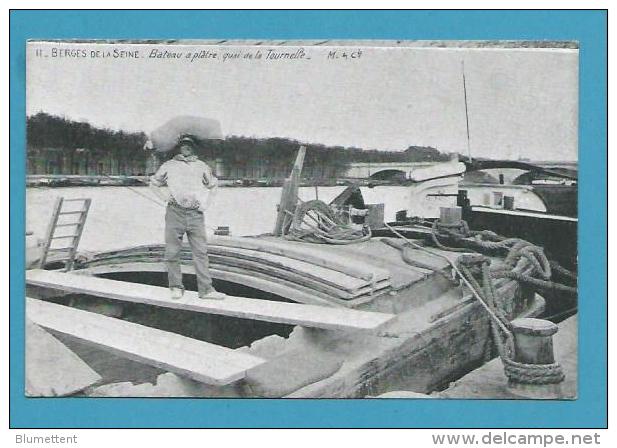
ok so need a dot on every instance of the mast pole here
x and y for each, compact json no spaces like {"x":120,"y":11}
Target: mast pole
{"x":466,"y":111}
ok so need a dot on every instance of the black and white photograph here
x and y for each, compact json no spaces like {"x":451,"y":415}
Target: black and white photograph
{"x":302,"y":219}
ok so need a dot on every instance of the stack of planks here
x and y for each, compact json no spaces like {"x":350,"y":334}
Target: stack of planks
{"x":303,"y":268}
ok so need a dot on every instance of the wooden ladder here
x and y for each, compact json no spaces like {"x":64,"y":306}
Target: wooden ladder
{"x":73,"y":238}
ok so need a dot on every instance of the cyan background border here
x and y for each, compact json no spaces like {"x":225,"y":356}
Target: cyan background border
{"x":588,"y":27}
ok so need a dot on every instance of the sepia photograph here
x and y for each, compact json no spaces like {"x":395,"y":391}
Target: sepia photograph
{"x":312,"y":219}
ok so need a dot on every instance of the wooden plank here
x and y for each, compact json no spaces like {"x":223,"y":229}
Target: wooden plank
{"x":283,"y":204}
{"x":292,"y":289}
{"x":334,"y":278}
{"x":330,"y":281}
{"x":266,"y":310}
{"x":287,"y":290}
{"x":289,"y":194}
{"x":198,"y":360}
{"x":294,"y":188}
{"x":250,"y":267}
{"x":259,"y":268}
{"x":317,"y":295}
{"x":278,"y":287}
{"x":310,"y":253}
{"x":52,"y":370}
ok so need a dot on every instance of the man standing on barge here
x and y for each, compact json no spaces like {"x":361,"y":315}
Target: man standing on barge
{"x":191,"y":186}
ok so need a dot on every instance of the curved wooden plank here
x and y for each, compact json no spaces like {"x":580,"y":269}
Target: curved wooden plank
{"x":278,"y":287}
{"x":309,"y":253}
{"x":250,"y":267}
{"x":334,"y":278}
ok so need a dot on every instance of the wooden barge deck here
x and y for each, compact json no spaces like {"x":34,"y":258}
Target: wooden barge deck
{"x":340,"y":321}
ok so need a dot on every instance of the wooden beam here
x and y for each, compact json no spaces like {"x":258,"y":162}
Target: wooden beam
{"x":289,"y":194}
{"x":198,"y":360}
{"x":286,"y":199}
{"x":265,"y":310}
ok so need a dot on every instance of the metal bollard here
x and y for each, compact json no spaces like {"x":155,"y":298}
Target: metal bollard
{"x":533,"y":340}
{"x":533,"y":345}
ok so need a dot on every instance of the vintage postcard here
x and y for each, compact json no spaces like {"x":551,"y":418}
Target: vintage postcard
{"x":302,"y":219}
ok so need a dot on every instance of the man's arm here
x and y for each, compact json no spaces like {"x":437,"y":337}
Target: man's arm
{"x":157,"y":183}
{"x":211,"y":183}
{"x":209,"y":180}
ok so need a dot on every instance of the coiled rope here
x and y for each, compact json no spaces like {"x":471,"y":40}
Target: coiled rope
{"x":315,"y":222}
{"x":461,"y":239}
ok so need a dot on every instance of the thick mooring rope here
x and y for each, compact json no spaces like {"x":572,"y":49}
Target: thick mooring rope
{"x":520,"y":255}
{"x":519,"y":372}
{"x":464,"y":240}
{"x":515,"y":371}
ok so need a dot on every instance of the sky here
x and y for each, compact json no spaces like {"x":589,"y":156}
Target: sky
{"x":522,"y":103}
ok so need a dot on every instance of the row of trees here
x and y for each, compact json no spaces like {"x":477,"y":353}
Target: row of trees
{"x":237,"y":155}
{"x":45,"y":130}
{"x":56,"y":145}
{"x":273,"y":157}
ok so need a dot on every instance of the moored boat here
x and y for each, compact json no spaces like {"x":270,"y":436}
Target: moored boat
{"x":438,"y":331}
{"x":358,"y":316}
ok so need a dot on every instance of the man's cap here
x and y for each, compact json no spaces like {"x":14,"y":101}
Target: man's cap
{"x":186,"y":140}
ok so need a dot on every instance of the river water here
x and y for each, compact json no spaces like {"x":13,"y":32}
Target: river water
{"x":122,"y":216}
